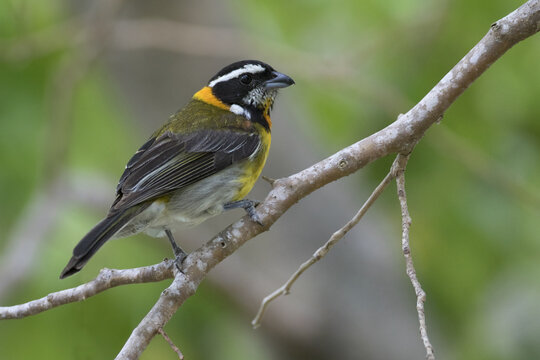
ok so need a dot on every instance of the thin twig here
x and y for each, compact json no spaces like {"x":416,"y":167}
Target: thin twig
{"x":171,"y":344}
{"x":322,"y":251}
{"x":268,"y":180}
{"x":107,"y":278}
{"x":405,"y":246}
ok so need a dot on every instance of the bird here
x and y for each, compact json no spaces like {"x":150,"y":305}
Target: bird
{"x":203,"y":161}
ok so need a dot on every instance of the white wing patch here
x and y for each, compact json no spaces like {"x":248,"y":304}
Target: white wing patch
{"x":248,"y":68}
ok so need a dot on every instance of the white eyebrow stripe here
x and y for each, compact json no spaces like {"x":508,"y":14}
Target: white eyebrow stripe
{"x":248,"y":68}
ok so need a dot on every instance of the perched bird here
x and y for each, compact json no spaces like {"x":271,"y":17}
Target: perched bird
{"x":203,"y":161}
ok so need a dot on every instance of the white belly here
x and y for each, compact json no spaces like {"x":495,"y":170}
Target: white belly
{"x":188,"y":207}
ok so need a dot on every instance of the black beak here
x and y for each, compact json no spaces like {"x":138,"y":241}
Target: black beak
{"x":279,"y":81}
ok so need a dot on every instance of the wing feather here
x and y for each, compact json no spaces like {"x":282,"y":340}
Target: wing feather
{"x":170,"y":162}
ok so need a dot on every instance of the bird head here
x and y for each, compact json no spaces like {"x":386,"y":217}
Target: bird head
{"x":248,"y":84}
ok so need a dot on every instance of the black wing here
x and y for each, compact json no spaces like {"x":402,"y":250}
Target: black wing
{"x":171,"y":162}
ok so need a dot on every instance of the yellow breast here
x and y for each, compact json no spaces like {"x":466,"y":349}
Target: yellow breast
{"x":255,"y":163}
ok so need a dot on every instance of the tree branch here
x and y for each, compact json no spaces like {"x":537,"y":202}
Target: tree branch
{"x":399,"y":171}
{"x":171,"y":344}
{"x":106,"y":279}
{"x":323,"y":250}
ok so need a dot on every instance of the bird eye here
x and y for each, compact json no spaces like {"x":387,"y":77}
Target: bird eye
{"x":245,"y":79}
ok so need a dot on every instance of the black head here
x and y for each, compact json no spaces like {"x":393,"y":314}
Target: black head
{"x":248,"y":83}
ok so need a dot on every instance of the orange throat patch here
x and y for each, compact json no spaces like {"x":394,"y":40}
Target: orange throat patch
{"x":206,"y":95}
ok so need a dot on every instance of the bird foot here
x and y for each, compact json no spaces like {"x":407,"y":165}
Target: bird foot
{"x":179,"y":254}
{"x":248,"y":206}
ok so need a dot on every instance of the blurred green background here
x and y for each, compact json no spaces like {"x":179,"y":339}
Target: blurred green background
{"x":83,"y":83}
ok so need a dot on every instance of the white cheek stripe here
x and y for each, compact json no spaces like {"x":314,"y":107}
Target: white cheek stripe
{"x":238,"y":110}
{"x":248,"y":68}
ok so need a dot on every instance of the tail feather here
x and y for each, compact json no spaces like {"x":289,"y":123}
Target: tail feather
{"x":95,"y":239}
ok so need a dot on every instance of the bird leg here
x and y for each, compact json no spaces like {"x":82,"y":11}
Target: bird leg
{"x":179,"y":254}
{"x":248,"y":206}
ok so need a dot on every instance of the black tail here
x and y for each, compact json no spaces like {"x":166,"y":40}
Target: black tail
{"x":95,"y":239}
